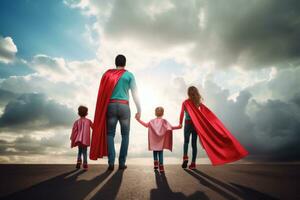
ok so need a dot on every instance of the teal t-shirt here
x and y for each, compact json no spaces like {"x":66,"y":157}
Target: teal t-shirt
{"x":121,"y":90}
{"x":187,"y":116}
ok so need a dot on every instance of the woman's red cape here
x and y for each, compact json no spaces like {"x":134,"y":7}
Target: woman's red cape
{"x":99,"y":134}
{"x":220,"y":145}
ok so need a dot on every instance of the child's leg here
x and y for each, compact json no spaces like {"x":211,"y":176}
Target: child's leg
{"x":84,"y":153}
{"x":155,"y":155}
{"x":79,"y":153}
{"x":161,"y":157}
{"x":194,"y":146}
{"x":161,"y":161}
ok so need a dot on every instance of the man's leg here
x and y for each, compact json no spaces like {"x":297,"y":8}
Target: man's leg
{"x":111,"y":120}
{"x":124,"y":117}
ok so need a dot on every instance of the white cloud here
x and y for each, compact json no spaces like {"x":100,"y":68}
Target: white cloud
{"x":8,"y":50}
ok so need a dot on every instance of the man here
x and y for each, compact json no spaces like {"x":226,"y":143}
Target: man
{"x":113,"y":107}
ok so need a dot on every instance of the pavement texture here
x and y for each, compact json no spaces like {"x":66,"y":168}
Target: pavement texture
{"x":244,"y":181}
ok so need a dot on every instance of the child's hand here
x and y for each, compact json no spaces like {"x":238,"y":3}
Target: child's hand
{"x":180,"y":126}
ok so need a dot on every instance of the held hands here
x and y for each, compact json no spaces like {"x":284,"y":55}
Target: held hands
{"x":138,"y":116}
{"x":178,"y":127}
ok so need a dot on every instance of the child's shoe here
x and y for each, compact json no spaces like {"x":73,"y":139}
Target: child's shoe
{"x":161,"y":169}
{"x":185,"y":162}
{"x":85,"y":166}
{"x":78,"y":164}
{"x":192,"y":166}
{"x":155,"y":164}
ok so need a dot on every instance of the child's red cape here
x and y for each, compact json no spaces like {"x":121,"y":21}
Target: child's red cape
{"x":107,"y":84}
{"x":220,"y":145}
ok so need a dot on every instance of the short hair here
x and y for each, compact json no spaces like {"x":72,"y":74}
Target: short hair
{"x":120,"y":60}
{"x":159,"y":111}
{"x":82,"y":111}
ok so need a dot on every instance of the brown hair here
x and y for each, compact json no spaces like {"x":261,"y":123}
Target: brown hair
{"x":194,"y":95}
{"x":82,"y":111}
{"x":159,"y":111}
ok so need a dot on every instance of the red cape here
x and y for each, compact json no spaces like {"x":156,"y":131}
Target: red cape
{"x":220,"y":145}
{"x":107,"y":84}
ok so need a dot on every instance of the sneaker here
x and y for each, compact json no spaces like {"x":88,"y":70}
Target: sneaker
{"x":78,"y":164}
{"x":122,"y":167}
{"x":155,"y":164}
{"x":85,"y":166}
{"x":161,"y":169}
{"x":110,"y":167}
{"x":192,"y":166}
{"x":185,"y":162}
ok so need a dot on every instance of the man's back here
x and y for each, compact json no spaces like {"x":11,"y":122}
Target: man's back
{"x":121,"y":90}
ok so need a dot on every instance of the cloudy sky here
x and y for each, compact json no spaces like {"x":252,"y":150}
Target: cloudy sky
{"x":243,"y":55}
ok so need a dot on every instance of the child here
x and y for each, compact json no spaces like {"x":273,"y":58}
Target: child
{"x":81,"y":136}
{"x":189,"y":129}
{"x":159,"y":137}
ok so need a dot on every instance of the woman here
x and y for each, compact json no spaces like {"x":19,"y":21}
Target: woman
{"x":220,"y":145}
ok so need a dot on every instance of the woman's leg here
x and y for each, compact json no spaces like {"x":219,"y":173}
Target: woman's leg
{"x":194,"y":145}
{"x":187,"y":132}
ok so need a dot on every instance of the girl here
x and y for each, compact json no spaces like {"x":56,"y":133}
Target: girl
{"x":159,"y":137}
{"x":81,"y":136}
{"x":189,"y":129}
{"x":220,"y":145}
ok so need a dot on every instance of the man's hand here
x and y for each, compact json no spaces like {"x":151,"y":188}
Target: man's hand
{"x":138,"y":115}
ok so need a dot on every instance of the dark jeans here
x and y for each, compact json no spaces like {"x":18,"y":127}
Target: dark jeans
{"x":117,"y":112}
{"x":82,"y":150}
{"x":160,"y":155}
{"x":188,"y":130}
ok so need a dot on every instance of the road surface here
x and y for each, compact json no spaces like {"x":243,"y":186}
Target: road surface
{"x":244,"y":181}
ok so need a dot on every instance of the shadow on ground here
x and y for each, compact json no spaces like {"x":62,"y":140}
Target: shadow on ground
{"x":228,"y":191}
{"x":107,"y":185}
{"x":64,"y":186}
{"x":163,"y":190}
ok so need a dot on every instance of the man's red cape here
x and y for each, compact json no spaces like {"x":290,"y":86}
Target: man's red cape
{"x":220,"y":145}
{"x":107,"y":84}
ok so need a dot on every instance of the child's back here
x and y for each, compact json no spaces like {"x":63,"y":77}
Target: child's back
{"x":81,"y":132}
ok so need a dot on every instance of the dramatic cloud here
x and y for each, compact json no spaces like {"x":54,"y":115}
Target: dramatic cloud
{"x":5,"y":97}
{"x":52,"y":68}
{"x":35,"y":112}
{"x":8,"y":49}
{"x":250,"y":34}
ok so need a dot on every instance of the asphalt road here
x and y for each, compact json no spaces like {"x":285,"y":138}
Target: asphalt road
{"x":245,"y":181}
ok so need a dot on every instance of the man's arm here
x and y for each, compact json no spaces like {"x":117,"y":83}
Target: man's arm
{"x":135,"y":96}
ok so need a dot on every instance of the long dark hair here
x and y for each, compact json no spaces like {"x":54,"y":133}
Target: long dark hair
{"x":194,"y":95}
